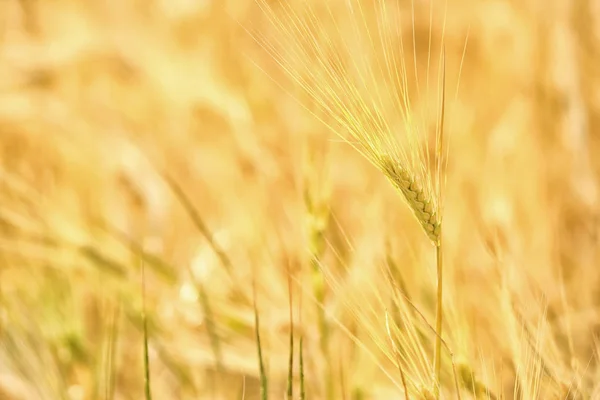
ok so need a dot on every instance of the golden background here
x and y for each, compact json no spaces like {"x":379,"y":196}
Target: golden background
{"x":98,"y":97}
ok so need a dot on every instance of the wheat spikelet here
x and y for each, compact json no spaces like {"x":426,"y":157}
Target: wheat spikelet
{"x":350,"y":63}
{"x":422,"y":205}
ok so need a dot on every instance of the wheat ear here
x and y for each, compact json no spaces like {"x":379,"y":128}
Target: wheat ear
{"x":421,"y":203}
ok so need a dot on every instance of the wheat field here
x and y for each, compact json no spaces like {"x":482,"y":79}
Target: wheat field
{"x":160,"y":168}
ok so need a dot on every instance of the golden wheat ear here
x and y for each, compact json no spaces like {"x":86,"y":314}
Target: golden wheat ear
{"x":421,"y":203}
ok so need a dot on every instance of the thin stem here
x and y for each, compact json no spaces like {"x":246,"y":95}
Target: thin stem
{"x":263,"y":375}
{"x":302,"y":388}
{"x":290,"y":382}
{"x":438,"y":320}
{"x":147,"y":389}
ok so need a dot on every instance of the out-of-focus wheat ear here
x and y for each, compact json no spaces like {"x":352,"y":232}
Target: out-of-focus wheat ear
{"x":318,"y":217}
{"x":147,"y":384}
{"x":261,"y":366}
{"x":419,"y":200}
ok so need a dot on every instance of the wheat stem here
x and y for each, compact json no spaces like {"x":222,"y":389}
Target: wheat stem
{"x":147,"y":388}
{"x":438,"y":318}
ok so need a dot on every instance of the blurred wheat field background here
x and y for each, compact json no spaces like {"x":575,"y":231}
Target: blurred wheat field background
{"x":114,"y":114}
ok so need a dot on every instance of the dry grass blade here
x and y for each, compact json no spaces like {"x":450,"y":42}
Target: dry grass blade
{"x":301,"y":352}
{"x":264,"y":392}
{"x":111,"y":355}
{"x":395,"y":349}
{"x":290,"y":377}
{"x":147,"y":382}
